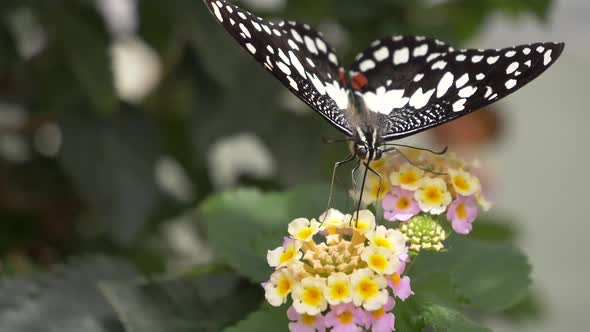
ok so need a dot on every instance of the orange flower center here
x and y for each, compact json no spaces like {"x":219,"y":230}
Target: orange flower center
{"x":312,"y":296}
{"x":403,"y":203}
{"x":345,"y":317}
{"x":461,"y":183}
{"x":308,"y":319}
{"x":378,"y":313}
{"x":461,"y":211}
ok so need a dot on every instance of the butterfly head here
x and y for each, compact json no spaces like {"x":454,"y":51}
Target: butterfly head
{"x":367,"y":144}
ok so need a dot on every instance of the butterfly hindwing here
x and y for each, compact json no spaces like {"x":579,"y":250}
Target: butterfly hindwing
{"x":414,"y":83}
{"x":295,"y":54}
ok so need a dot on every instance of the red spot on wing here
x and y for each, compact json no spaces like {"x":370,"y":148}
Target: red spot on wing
{"x":358,"y":81}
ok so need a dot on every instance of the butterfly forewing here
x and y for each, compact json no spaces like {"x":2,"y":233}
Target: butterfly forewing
{"x":414,"y":83}
{"x":295,"y":54}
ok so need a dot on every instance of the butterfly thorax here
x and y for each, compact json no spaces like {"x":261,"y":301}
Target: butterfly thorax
{"x":367,"y":143}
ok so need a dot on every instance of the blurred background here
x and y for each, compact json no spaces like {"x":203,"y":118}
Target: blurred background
{"x":117,"y":117}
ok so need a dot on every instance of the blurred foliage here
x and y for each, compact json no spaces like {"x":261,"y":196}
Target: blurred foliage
{"x":100,"y":193}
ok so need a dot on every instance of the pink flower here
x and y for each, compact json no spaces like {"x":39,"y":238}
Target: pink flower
{"x":346,"y":318}
{"x":382,"y":320}
{"x":400,"y":286}
{"x":400,"y":205}
{"x":305,"y":323}
{"x":462,"y":212}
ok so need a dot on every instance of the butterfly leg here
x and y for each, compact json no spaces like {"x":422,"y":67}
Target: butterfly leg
{"x":380,"y":182}
{"x":349,"y":158}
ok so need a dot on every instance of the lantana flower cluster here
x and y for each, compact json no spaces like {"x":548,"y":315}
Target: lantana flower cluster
{"x":343,"y":274}
{"x":430,"y":185}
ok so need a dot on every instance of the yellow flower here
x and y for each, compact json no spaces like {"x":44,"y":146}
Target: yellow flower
{"x":432,"y":195}
{"x":331,"y":220}
{"x":284,"y":255}
{"x":463,"y":182}
{"x":368,"y":289}
{"x":280,"y":285}
{"x":380,"y":259}
{"x":308,"y":296}
{"x":408,"y":177}
{"x":364,"y":223}
{"x":338,"y":289}
{"x":388,"y":238}
{"x":303,"y":229}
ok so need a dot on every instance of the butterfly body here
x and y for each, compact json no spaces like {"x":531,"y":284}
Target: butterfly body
{"x":395,"y":88}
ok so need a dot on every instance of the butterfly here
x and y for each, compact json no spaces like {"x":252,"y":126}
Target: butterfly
{"x":397,"y":87}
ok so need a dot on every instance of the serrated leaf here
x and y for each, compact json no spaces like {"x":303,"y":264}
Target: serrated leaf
{"x":266,"y":319}
{"x":244,"y":224}
{"x":63,"y":300}
{"x":445,"y":319}
{"x":209,"y":303}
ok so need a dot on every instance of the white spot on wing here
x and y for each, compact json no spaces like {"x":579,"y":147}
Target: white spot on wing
{"x":459,"y":105}
{"x":296,"y":35}
{"x":297,"y":64}
{"x":310,"y":45}
{"x":547,"y":57}
{"x":444,"y":84}
{"x":511,"y":83}
{"x":540,"y":49}
{"x":401,"y":56}
{"x":418,"y":77}
{"x":217,"y":13}
{"x":528,"y":63}
{"x":488,"y":91}
{"x":229,"y":9}
{"x":460,"y":57}
{"x":432,"y":57}
{"x":491,"y":60}
{"x":256,"y":26}
{"x":441,"y":64}
{"x":284,"y":57}
{"x":381,"y":54}
{"x":467,"y":91}
{"x":293,"y":45}
{"x":367,"y":65}
{"x":284,"y":68}
{"x":510,"y":54}
{"x":480,"y":76}
{"x":242,"y":15}
{"x":420,"y":50}
{"x":382,"y":101}
{"x":512,"y":67}
{"x":476,"y":58}
{"x":293,"y":83}
{"x":332,"y":57}
{"x":526,"y":51}
{"x":251,"y":48}
{"x":321,"y":45}
{"x":310,"y":62}
{"x":462,"y":80}
{"x":270,"y":49}
{"x":245,"y":30}
{"x":267,"y":29}
{"x":420,"y":99}
{"x":338,"y":94}
{"x":319,"y":86}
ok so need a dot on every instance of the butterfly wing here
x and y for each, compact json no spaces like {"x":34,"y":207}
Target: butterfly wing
{"x":423,"y":83}
{"x":295,"y":54}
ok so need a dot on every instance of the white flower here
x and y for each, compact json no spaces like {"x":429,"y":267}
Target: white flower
{"x":279,"y":286}
{"x":408,"y":177}
{"x":303,"y":229}
{"x":432,"y":195}
{"x":338,"y":289}
{"x":363,"y":222}
{"x":308,"y":296}
{"x":368,"y":289}
{"x":463,"y":182}
{"x":331,"y":219}
{"x":388,"y":238}
{"x":380,"y":259}
{"x":284,"y":255}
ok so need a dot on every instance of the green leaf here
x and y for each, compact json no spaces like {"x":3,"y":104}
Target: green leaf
{"x":446,"y":319}
{"x":209,"y":303}
{"x":244,"y":224}
{"x":63,"y":300}
{"x":83,"y":42}
{"x":266,"y":319}
{"x":491,"y":277}
{"x":111,"y":162}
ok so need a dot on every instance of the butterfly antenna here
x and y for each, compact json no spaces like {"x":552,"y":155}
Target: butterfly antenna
{"x":349,"y":158}
{"x":443,"y":151}
{"x":358,"y":204}
{"x":393,"y":148}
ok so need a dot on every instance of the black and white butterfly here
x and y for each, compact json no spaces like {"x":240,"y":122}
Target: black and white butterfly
{"x":397,"y":87}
